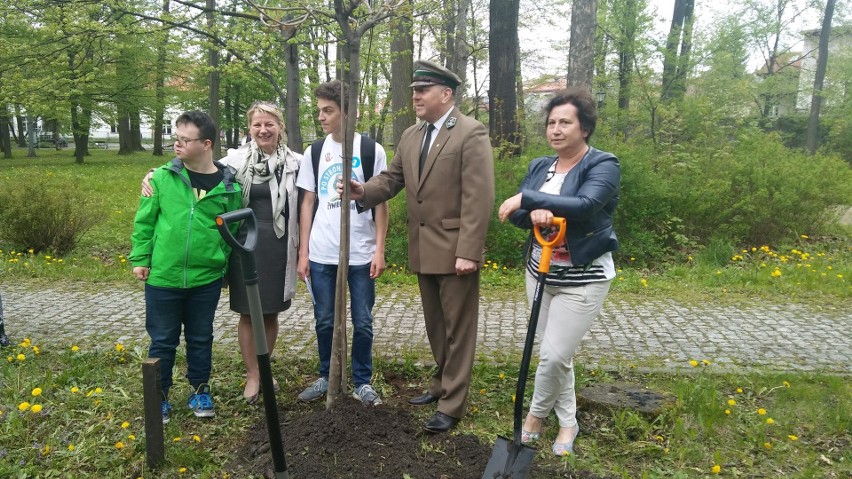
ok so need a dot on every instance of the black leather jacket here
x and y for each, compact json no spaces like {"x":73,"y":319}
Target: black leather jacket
{"x":587,"y":199}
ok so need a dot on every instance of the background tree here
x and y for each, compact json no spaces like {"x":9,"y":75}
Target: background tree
{"x":581,"y":53}
{"x":822,"y":61}
{"x":503,"y":61}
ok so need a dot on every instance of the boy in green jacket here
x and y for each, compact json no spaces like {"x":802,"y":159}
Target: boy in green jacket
{"x":180,"y":255}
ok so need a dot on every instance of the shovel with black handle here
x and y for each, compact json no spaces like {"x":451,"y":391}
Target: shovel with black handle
{"x":510,"y":458}
{"x":246,"y":251}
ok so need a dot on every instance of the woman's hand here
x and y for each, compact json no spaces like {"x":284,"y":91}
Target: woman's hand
{"x":147,"y":191}
{"x":541,"y":218}
{"x":508,"y":207}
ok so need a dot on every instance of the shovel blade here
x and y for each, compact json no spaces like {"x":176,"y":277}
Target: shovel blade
{"x":509,"y":461}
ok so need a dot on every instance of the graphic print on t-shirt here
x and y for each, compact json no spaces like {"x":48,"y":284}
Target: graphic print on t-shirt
{"x":330,"y":177}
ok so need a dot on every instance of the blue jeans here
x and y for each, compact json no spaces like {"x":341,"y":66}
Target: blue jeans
{"x":166,"y":310}
{"x":362,"y":290}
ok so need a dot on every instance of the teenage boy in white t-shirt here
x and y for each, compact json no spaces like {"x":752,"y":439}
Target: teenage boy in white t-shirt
{"x":319,"y":243}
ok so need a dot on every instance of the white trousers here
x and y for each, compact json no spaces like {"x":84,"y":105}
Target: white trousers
{"x":566,"y":315}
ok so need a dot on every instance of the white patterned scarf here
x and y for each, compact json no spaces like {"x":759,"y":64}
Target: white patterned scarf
{"x":259,"y":168}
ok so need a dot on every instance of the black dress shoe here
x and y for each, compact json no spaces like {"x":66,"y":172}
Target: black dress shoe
{"x":423,"y":400}
{"x":440,"y":422}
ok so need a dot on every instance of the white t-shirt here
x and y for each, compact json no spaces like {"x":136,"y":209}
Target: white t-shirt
{"x":324,"y":245}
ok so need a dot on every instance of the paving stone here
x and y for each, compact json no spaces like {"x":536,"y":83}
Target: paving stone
{"x":790,"y":336}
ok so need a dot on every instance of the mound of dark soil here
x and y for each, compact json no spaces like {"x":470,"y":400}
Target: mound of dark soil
{"x":353,"y":441}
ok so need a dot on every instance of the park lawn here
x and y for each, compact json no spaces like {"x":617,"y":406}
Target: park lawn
{"x":75,"y":410}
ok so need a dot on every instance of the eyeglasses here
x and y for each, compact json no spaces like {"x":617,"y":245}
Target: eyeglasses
{"x":183,"y":141}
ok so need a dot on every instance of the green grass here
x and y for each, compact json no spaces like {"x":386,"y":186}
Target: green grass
{"x":819,"y":267}
{"x":77,"y":431}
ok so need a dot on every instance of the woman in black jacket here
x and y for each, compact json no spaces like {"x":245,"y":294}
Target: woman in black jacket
{"x":580,"y":183}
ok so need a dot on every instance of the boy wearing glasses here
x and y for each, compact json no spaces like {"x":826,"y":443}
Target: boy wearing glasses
{"x":181,"y":257}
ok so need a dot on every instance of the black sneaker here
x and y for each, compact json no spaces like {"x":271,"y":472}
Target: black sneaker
{"x":4,"y":340}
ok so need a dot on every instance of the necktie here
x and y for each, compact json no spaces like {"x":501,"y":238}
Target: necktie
{"x":426,"y":143}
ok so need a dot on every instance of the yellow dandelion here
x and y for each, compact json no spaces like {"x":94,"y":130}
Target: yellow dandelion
{"x":716,"y":469}
{"x":98,"y":390}
{"x":36,"y":408}
{"x":770,"y":421}
{"x":502,"y":376}
{"x":761,"y":412}
{"x":75,"y":348}
{"x":45,"y":450}
{"x":475,"y":409}
{"x":803,"y":236}
{"x":739,"y":390}
{"x":74,"y":389}
{"x":776,"y":273}
{"x":482,"y":391}
{"x":767,"y":445}
{"x":21,"y":357}
{"x":792,"y":437}
{"x":196,"y":438}
{"x":71,"y":447}
{"x":23,"y":406}
{"x":513,"y":398}
{"x":132,"y":437}
{"x":125,"y":425}
{"x":644,"y":282}
{"x":36,"y":350}
{"x":11,"y":359}
{"x":176,"y":439}
{"x":727,"y":412}
{"x":693,"y":363}
{"x":731,"y":402}
{"x":26,"y":343}
{"x":119,"y":347}
{"x":182,"y":470}
{"x":119,"y":445}
{"x":36,"y":392}
{"x":705,"y":362}
{"x":786,"y":384}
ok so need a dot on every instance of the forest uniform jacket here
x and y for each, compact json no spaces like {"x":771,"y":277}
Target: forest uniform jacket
{"x":449,"y":207}
{"x":587,"y":200}
{"x":175,"y":234}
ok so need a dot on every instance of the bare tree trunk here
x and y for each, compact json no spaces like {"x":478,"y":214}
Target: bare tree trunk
{"x":291,"y":66}
{"x":213,"y":79}
{"x":31,"y":137}
{"x":675,"y":65}
{"x":581,"y":55}
{"x":819,"y":78}
{"x":502,"y":54}
{"x":5,"y":137}
{"x":22,"y":141}
{"x":402,"y":46}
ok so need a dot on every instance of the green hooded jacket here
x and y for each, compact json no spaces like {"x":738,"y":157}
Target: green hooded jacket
{"x":175,"y":234}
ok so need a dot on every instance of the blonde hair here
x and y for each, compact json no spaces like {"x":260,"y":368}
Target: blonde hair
{"x":270,"y":109}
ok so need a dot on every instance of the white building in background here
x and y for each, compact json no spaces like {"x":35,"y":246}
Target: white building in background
{"x":835,"y":85}
{"x":108,"y":133}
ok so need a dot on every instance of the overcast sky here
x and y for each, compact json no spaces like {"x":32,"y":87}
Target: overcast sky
{"x":541,"y":42}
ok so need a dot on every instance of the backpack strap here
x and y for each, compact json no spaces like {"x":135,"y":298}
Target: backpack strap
{"x":368,"y":163}
{"x":315,"y":152}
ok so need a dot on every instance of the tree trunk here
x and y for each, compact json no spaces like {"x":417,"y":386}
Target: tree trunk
{"x":402,"y":64}
{"x":125,"y":146}
{"x":31,"y":136}
{"x":581,"y":54}
{"x":5,"y":137}
{"x":502,"y":54}
{"x":294,"y":80}
{"x":213,"y":79}
{"x":679,"y":39}
{"x":159,"y":88}
{"x":238,"y":127}
{"x":228,"y":120}
{"x":22,"y":141}
{"x":456,"y":49}
{"x":819,"y":78}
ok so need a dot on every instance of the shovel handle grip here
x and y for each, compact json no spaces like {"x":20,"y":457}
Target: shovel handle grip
{"x":547,"y":246}
{"x":223,"y":222}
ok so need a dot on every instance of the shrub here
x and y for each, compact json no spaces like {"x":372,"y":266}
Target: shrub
{"x":44,"y":216}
